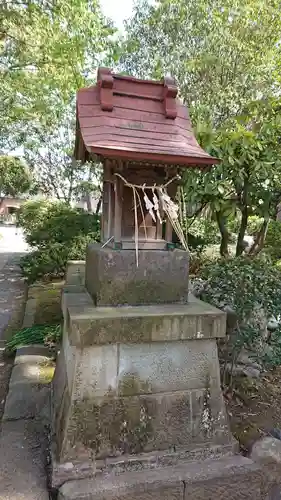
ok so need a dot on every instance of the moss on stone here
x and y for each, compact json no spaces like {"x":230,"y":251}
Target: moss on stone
{"x":47,"y":303}
{"x":131,"y":329}
{"x":137,"y":292}
{"x":46,"y":372}
{"x":111,"y":426}
{"x":112,"y":277}
{"x":131,"y":384}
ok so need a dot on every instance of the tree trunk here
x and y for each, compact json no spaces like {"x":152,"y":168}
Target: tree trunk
{"x":244,"y":220}
{"x":89,"y":203}
{"x":278,"y":211}
{"x":2,"y":198}
{"x":99,"y":204}
{"x":221,"y":220}
{"x":243,"y":226}
{"x":260,"y":238}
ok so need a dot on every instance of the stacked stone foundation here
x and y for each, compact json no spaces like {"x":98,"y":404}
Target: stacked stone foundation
{"x":137,"y":384}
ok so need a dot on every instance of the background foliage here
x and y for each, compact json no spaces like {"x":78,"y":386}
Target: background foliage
{"x":47,"y":51}
{"x":57,"y":233}
{"x":15,"y":177}
{"x":251,"y":289}
{"x":232,"y":88}
{"x":212,"y":48}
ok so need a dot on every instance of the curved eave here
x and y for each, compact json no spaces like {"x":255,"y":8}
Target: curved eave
{"x":126,"y":155}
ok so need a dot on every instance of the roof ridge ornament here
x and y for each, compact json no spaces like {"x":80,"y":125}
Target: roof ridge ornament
{"x":105,"y":83}
{"x":170,"y":94}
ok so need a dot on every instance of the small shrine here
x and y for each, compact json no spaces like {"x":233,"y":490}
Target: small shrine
{"x":137,"y":408}
{"x":142,"y":134}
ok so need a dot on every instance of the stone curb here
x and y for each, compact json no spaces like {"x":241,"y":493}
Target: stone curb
{"x":29,"y":389}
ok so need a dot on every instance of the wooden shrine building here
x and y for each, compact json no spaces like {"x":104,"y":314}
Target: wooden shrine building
{"x":142,"y":135}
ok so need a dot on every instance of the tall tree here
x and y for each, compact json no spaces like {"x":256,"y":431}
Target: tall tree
{"x":15,"y":177}
{"x":248,"y":179}
{"x":49,"y":153}
{"x":223,"y":53}
{"x":48,"y":48}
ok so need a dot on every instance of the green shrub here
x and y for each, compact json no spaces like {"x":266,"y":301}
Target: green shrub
{"x":59,"y":223}
{"x":254,"y":224}
{"x":205,"y":229}
{"x":60,"y":233}
{"x":31,"y":214}
{"x":197,"y":261}
{"x":242,"y":283}
{"x":195,"y":243}
{"x":200,"y":234}
{"x":278,"y":264}
{"x":273,"y":240}
{"x":271,"y":356}
{"x":233,"y":224}
{"x":247,"y":287}
{"x":49,"y":261}
{"x":49,"y":335}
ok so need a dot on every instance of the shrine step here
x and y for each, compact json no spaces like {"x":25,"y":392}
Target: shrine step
{"x":227,"y":478}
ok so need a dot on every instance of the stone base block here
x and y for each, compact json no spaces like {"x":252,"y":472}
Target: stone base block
{"x":137,"y":379}
{"x":90,"y":325}
{"x":61,"y":473}
{"x":113,"y":277}
{"x":75,"y":273}
{"x":230,"y":478}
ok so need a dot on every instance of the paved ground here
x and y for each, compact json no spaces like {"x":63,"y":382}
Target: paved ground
{"x":22,"y":441}
{"x":11,"y":240}
{"x":12,"y":286}
{"x":12,"y":294}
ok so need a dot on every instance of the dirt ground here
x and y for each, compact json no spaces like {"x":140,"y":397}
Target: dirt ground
{"x":254,"y":407}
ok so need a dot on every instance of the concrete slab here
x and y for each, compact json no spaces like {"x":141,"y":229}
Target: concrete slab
{"x":29,"y":388}
{"x":22,"y":467}
{"x":27,"y":402}
{"x":229,"y":478}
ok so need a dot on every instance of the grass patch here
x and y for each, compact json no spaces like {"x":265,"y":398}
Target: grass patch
{"x":44,"y":303}
{"x":49,"y":335}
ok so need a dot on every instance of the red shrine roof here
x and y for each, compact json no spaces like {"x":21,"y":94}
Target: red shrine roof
{"x":139,"y":120}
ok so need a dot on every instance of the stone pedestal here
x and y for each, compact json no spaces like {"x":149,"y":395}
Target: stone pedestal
{"x":137,"y":384}
{"x":114,"y":279}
